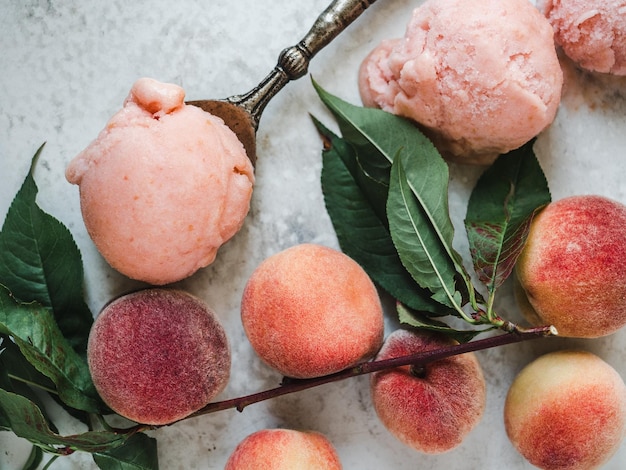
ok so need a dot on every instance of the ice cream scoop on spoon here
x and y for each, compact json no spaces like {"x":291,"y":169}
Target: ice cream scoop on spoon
{"x":242,"y":113}
{"x":166,"y":184}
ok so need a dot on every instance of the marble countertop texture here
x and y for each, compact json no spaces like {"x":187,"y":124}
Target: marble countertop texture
{"x":67,"y":67}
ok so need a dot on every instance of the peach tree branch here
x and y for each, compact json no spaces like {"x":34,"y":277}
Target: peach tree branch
{"x":290,"y":385}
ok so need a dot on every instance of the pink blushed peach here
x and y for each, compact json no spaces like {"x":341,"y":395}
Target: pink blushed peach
{"x":158,"y":355}
{"x":572,"y":268}
{"x":433,"y":408}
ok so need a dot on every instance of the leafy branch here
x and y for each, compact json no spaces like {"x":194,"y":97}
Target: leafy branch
{"x":386,"y":190}
{"x":417,"y":359}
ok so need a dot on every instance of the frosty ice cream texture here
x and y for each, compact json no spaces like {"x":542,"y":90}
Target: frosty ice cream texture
{"x":481,"y":77}
{"x":163,"y":186}
{"x":591,"y":32}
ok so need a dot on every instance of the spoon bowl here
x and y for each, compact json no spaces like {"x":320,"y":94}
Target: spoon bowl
{"x":242,"y":113}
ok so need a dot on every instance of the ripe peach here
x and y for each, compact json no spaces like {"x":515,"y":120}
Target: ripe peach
{"x":284,"y":449}
{"x":311,"y":310}
{"x":158,"y":355}
{"x":573,"y":267}
{"x":430,"y":408}
{"x":566,"y":410}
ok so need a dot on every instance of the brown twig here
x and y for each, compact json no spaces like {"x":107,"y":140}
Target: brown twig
{"x":295,"y":385}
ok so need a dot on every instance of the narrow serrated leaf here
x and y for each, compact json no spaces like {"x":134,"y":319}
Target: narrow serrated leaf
{"x":11,"y":359}
{"x":422,"y":232}
{"x":27,"y":421}
{"x":362,"y":233}
{"x":39,"y":261}
{"x":138,"y":453}
{"x":500,"y":211}
{"x":15,"y":365}
{"x":375,"y":133}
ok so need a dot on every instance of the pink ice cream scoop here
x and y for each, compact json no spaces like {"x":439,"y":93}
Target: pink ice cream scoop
{"x":482,"y":77}
{"x":163,"y":186}
{"x":591,"y":32}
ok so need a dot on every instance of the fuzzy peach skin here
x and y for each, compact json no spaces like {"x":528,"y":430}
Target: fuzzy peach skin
{"x":591,"y":32}
{"x":163,"y":186}
{"x":284,"y":449}
{"x":566,"y":410}
{"x":431,"y":410}
{"x":310,"y":311}
{"x":481,"y":77}
{"x":158,"y":355}
{"x":573,"y":266}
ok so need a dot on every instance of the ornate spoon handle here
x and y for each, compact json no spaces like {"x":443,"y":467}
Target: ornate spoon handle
{"x":293,"y":62}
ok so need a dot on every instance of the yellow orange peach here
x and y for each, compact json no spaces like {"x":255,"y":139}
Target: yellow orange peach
{"x":284,"y":449}
{"x":311,"y":310}
{"x":566,"y":410}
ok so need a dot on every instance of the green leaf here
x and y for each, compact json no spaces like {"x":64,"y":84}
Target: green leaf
{"x":417,"y":202}
{"x":500,"y":210}
{"x":39,"y":261}
{"x":10,"y":360}
{"x":420,"y":225}
{"x":34,"y":330}
{"x":25,"y":377}
{"x":138,"y":453}
{"x":373,"y":191}
{"x":420,"y":321}
{"x":362,"y":233}
{"x":18,"y":368}
{"x":27,"y":421}
{"x":5,"y":384}
{"x":376,"y":135}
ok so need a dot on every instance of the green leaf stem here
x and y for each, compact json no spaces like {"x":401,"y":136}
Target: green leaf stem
{"x":420,"y":321}
{"x":34,"y":459}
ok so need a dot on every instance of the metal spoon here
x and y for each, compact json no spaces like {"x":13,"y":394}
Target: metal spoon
{"x":242,"y":113}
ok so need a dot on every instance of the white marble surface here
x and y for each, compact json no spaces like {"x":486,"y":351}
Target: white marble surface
{"x":67,"y":66}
